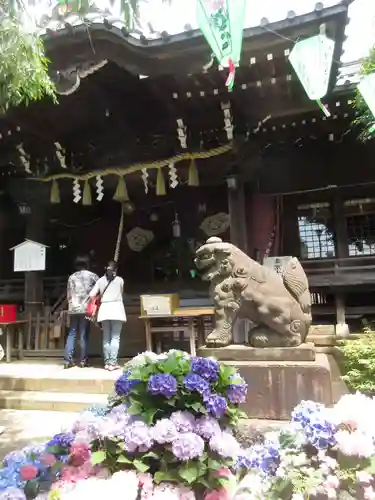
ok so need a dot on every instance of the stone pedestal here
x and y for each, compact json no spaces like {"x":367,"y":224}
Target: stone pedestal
{"x":280,"y":378}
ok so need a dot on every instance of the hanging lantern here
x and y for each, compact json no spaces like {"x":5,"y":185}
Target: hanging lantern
{"x":367,"y":89}
{"x":312,"y":61}
{"x":222,"y":23}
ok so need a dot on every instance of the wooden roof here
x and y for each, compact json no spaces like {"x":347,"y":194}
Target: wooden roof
{"x":116,"y":117}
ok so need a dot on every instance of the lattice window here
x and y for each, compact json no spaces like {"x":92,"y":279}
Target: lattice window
{"x":315,"y":227}
{"x":360,"y":223}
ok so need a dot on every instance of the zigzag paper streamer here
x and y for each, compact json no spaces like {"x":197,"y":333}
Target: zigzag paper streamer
{"x":145,"y":176}
{"x":173,"y":178}
{"x":24,"y":158}
{"x":99,"y":188}
{"x":77,"y":194}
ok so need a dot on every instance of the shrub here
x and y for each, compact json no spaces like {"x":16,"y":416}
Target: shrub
{"x":358,"y":361}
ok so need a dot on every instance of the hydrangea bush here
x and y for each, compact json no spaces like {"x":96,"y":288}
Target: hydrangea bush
{"x":167,"y":435}
{"x":180,"y":412}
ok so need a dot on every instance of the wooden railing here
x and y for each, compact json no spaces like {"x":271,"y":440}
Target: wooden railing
{"x":13,"y":290}
{"x":340,"y":272}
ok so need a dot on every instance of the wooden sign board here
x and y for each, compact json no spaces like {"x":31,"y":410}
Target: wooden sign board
{"x":159,"y":305}
{"x":29,"y":256}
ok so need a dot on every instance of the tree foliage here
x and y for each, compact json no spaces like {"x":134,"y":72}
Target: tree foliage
{"x":23,"y":65}
{"x":365,"y":118}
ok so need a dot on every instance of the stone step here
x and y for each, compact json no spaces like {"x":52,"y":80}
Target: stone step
{"x":53,"y":378}
{"x":49,"y":401}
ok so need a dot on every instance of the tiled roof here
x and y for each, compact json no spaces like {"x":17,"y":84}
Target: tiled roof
{"x":178,"y":17}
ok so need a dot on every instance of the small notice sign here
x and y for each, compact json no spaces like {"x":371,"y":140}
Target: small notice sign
{"x":29,"y":256}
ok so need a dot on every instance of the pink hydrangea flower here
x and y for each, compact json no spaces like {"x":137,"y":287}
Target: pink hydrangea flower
{"x":79,"y":454}
{"x":28,"y":472}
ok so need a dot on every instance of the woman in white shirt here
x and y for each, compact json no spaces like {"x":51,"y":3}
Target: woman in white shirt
{"x":111,"y":313}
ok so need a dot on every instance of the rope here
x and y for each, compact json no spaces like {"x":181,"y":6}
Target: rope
{"x":119,"y":233}
{"x":138,"y":166}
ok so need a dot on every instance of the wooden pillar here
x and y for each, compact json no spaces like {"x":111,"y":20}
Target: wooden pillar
{"x":342,"y":252}
{"x":238,"y":237}
{"x":237,"y":213}
{"x":35,"y":230}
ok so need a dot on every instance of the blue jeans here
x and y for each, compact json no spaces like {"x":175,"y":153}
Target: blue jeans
{"x":111,"y":341}
{"x":78,"y":322}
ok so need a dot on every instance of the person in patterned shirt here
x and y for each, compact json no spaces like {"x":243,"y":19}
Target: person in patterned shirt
{"x":79,"y":286}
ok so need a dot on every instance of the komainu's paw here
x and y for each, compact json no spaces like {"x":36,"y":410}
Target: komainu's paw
{"x":267,"y":338}
{"x":218,"y":338}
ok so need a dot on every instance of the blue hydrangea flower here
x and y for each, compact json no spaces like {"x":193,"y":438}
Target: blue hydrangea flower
{"x":12,"y":493}
{"x":97,"y":410}
{"x":15,"y":458}
{"x":162,"y":384}
{"x":216,"y":405}
{"x":194,"y":382}
{"x":311,"y":418}
{"x":264,"y":457}
{"x":124,"y":384}
{"x":206,"y":368}
{"x":62,"y":440}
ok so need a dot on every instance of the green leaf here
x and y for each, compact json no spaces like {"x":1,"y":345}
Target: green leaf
{"x":122,"y":459}
{"x":149,"y":415}
{"x":371,"y":468}
{"x":140,"y":466}
{"x":135,"y":408}
{"x":189,"y":472}
{"x":213,"y":464}
{"x":151,"y":454}
{"x":164,"y":476}
{"x":98,"y":457}
{"x":53,"y":449}
{"x":198,"y":407}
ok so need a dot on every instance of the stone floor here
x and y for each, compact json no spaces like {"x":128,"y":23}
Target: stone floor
{"x":25,"y":427}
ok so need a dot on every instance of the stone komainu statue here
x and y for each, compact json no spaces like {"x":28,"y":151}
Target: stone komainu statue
{"x":280,"y":306}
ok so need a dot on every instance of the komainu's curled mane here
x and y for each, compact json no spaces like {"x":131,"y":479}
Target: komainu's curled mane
{"x":280,"y":306}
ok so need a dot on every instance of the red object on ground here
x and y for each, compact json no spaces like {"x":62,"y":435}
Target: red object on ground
{"x":8,"y":313}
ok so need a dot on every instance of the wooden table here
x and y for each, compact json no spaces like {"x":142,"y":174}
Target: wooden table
{"x":193,"y":315}
{"x":7,"y":328}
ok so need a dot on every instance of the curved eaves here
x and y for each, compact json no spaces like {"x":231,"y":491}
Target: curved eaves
{"x":178,"y":54}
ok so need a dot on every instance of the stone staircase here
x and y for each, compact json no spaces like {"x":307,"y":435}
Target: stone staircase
{"x":44,"y":386}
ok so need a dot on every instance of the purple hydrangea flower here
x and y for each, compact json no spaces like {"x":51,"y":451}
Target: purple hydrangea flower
{"x":162,"y":384}
{"x":206,"y":368}
{"x":119,"y":412}
{"x":188,"y":446}
{"x":124,"y":384}
{"x":225,"y":445}
{"x":237,"y":392}
{"x":216,"y":405}
{"x":207,"y":427}
{"x":164,"y":431}
{"x":194,"y":382}
{"x":12,"y":494}
{"x":183,"y":420}
{"x":138,"y":437}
